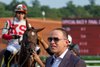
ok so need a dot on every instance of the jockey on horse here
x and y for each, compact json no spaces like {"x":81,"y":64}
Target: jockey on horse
{"x":13,"y":32}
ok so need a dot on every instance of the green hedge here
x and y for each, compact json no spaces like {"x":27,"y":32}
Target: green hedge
{"x":90,"y":57}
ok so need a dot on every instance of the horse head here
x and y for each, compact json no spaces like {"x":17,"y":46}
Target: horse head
{"x":28,"y":45}
{"x":30,"y":37}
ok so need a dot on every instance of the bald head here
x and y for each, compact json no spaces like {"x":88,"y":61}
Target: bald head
{"x":65,"y":34}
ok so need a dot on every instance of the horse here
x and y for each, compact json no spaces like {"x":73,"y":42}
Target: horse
{"x":28,"y":46}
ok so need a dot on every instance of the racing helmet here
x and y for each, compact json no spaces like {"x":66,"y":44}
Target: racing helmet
{"x":21,"y":8}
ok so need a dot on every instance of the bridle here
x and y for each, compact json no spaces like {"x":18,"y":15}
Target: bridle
{"x":29,"y":46}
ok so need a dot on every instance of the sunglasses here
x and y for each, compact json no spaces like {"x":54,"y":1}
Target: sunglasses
{"x":20,"y":12}
{"x":55,"y":39}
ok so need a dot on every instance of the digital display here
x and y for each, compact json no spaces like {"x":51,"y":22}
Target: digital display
{"x":85,"y":33}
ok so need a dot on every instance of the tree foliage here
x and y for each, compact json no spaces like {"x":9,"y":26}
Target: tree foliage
{"x":69,"y":11}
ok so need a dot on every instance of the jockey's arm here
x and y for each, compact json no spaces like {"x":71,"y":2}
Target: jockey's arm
{"x":5,"y":30}
{"x":7,"y":37}
{"x":5,"y":34}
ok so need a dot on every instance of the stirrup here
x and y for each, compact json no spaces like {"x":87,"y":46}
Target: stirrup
{"x":11,"y":57}
{"x":2,"y":62}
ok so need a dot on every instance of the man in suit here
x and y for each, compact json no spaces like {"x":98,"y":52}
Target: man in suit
{"x":62,"y":56}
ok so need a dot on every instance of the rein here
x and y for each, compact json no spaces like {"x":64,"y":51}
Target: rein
{"x":25,"y":60}
{"x":29,"y":52}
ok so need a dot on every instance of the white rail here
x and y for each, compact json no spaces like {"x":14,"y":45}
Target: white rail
{"x":93,"y":66}
{"x":93,"y":61}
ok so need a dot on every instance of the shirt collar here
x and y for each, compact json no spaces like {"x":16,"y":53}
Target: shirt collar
{"x":62,"y":55}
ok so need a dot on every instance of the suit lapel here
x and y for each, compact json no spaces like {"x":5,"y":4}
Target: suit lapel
{"x":65,"y":60}
{"x":50,"y":61}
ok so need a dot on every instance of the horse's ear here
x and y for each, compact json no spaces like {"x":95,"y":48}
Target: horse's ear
{"x":40,"y":29}
{"x":27,"y":25}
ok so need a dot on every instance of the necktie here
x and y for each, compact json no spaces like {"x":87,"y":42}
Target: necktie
{"x":52,"y":61}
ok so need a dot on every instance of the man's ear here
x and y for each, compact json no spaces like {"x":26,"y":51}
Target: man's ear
{"x":67,"y":42}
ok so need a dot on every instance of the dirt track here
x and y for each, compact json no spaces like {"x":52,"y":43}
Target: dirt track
{"x":37,"y":23}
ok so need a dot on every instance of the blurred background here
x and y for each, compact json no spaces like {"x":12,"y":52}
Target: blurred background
{"x":80,"y":18}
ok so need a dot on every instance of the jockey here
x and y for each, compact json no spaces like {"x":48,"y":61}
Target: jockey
{"x":13,"y":32}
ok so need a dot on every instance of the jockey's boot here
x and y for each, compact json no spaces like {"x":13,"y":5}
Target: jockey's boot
{"x":7,"y":56}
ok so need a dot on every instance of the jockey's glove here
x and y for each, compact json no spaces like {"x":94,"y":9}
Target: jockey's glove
{"x":15,"y":36}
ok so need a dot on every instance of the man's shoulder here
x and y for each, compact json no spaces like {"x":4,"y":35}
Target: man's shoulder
{"x":75,"y":58}
{"x":82,"y":61}
{"x":49,"y":57}
{"x":77,"y":61}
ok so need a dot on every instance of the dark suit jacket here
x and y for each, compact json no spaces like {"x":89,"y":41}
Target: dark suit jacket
{"x":69,"y":60}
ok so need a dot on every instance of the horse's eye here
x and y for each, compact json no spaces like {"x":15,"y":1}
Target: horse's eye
{"x":33,"y":33}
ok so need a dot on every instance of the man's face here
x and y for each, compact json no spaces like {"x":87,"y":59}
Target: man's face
{"x":58,"y":42}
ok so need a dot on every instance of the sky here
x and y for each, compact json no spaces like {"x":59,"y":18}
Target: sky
{"x":56,"y":3}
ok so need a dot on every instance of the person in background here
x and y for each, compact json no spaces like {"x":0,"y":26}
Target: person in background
{"x":13,"y":32}
{"x":75,"y":49}
{"x":59,"y":45}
